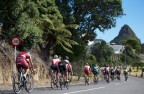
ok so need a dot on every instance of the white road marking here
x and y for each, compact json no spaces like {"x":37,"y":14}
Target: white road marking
{"x":84,"y":90}
{"x":117,"y":84}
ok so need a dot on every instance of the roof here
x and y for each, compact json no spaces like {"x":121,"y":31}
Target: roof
{"x":118,"y":49}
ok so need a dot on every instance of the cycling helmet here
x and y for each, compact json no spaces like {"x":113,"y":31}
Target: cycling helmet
{"x":55,"y":56}
{"x":28,"y":51}
{"x":66,"y":57}
{"x":87,"y":63}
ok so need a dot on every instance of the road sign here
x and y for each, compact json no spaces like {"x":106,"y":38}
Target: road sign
{"x":15,"y":41}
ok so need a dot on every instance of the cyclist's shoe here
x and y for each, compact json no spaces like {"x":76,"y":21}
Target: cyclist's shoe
{"x":57,"y":85}
{"x":67,"y":81}
{"x":24,"y":77}
{"x":88,"y":83}
{"x":55,"y":81}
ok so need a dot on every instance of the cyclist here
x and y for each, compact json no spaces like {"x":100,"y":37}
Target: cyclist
{"x":87,"y":70}
{"x":112,"y":73}
{"x":125,"y":72}
{"x":117,"y":72}
{"x":106,"y":73}
{"x":95,"y":72}
{"x":65,"y":68}
{"x":68,"y":66}
{"x":55,"y":67}
{"x":24,"y":60}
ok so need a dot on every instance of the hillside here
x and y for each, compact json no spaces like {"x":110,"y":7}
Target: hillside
{"x":125,"y":33}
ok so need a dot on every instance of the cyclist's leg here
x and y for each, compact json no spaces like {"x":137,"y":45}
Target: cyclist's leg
{"x":94,"y":79}
{"x":85,"y":78}
{"x":54,"y":74}
{"x":66,"y":73}
{"x":26,"y":67}
{"x":57,"y":71}
{"x":69,"y":76}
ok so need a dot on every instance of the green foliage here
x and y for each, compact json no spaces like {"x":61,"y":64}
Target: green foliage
{"x":90,"y":15}
{"x":134,"y":43}
{"x":142,"y":48}
{"x":102,"y":52}
{"x":91,"y":59}
{"x":22,"y":20}
{"x":137,"y":64}
{"x":54,"y":23}
{"x":37,"y":22}
{"x":132,"y":49}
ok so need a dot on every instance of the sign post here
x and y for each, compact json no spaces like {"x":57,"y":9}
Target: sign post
{"x":15,"y":41}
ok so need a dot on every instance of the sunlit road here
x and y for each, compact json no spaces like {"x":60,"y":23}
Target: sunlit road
{"x":133,"y":86}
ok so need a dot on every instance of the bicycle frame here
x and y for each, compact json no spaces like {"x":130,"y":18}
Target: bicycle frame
{"x":21,"y":82}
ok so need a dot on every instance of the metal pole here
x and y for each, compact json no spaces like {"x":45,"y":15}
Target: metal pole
{"x":125,"y":56}
{"x":15,"y":60}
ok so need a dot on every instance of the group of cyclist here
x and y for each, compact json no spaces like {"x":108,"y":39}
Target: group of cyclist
{"x":62,"y":66}
{"x":107,"y":72}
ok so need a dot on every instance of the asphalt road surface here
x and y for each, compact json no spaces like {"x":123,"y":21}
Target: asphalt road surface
{"x":132,"y":86}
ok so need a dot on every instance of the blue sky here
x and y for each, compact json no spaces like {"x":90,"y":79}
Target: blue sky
{"x":134,"y":10}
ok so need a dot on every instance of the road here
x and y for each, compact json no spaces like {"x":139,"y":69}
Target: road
{"x":133,"y":86}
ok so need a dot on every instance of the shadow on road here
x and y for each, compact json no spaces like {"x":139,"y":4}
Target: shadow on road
{"x":6,"y":92}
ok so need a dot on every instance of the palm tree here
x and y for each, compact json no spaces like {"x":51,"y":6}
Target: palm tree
{"x":57,"y":33}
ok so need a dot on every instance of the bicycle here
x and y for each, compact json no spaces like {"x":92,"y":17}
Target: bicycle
{"x":70,"y":77}
{"x":107,"y":78}
{"x":63,"y":83}
{"x":95,"y":79}
{"x":19,"y":82}
{"x":86,"y":80}
{"x":53,"y":82}
{"x":112,"y":77}
{"x":118,"y":77}
{"x":126,"y":77}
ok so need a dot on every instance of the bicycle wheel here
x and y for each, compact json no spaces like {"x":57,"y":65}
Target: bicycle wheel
{"x":52,"y":82}
{"x":107,"y":79}
{"x":95,"y":80}
{"x":66,"y":84}
{"x":17,"y":84}
{"x":70,"y":78}
{"x":29,"y":83}
{"x":61,"y":84}
{"x":86,"y":81}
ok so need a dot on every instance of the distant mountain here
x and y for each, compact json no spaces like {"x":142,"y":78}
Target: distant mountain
{"x":125,"y":33}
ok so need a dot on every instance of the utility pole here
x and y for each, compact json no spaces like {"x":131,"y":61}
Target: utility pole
{"x":125,"y":55}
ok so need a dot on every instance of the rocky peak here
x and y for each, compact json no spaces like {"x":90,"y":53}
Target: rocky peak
{"x":125,"y":33}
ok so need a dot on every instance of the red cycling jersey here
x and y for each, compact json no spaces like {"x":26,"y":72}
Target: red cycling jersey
{"x":21,"y":59}
{"x":55,"y":62}
{"x":87,"y":69}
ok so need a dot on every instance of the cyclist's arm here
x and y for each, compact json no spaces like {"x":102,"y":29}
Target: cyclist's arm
{"x":71,"y":69}
{"x":31,"y":63}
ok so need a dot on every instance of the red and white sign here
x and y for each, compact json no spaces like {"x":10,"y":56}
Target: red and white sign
{"x":15,"y":41}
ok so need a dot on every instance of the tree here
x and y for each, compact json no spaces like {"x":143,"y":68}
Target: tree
{"x":90,"y":15}
{"x":102,"y":52}
{"x":134,"y":43}
{"x":132,"y":50}
{"x":142,"y":48}
{"x":37,"y":22}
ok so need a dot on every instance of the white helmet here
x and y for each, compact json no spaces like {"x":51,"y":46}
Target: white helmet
{"x":55,"y":56}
